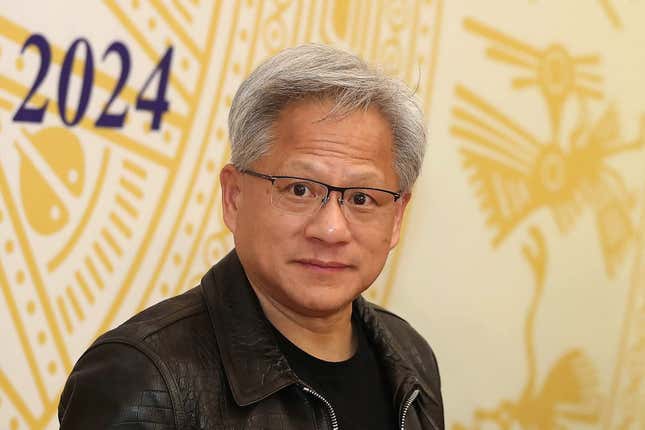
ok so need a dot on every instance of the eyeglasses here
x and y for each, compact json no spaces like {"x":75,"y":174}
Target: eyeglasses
{"x":305,"y":196}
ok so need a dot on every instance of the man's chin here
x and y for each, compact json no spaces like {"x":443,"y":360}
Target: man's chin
{"x":323,"y":299}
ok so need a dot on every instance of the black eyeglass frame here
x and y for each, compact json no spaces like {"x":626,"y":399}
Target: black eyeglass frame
{"x":330,"y":188}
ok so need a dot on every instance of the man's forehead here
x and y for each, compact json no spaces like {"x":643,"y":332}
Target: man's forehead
{"x":311,"y":163}
{"x":312,"y":167}
{"x":308,"y":125}
{"x":307,"y":142}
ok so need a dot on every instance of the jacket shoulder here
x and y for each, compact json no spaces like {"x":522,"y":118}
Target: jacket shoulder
{"x":155,"y":354}
{"x":177,"y":334}
{"x":166,"y":316}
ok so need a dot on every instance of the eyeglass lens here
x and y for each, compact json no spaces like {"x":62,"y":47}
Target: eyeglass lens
{"x":305,"y":197}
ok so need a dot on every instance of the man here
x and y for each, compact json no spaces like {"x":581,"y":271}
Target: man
{"x":325,"y":151}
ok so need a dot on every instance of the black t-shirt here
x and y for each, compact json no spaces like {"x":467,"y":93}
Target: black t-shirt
{"x":356,"y":388}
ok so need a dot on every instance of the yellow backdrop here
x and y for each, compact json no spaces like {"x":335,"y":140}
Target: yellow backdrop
{"x":523,"y":257}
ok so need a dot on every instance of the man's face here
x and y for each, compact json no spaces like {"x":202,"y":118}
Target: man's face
{"x":315,"y":265}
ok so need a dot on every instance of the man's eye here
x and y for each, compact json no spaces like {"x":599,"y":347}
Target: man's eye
{"x":300,"y":189}
{"x":360,"y":199}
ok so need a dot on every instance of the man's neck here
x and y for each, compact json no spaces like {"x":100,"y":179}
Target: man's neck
{"x":329,"y":338}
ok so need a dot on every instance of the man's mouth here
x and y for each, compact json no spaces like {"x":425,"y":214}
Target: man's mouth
{"x":323,"y":265}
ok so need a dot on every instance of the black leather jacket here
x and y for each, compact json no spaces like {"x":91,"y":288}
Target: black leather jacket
{"x":207,"y":359}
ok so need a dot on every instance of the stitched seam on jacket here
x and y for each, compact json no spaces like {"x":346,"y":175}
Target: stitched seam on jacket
{"x":191,"y":311}
{"x":175,"y":321}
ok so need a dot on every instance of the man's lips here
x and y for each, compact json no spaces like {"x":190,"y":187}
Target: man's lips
{"x":322,"y":264}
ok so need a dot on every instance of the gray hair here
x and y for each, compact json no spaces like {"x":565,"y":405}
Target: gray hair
{"x":314,"y":71}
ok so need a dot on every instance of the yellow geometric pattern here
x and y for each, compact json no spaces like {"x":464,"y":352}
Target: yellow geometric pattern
{"x":570,"y":394}
{"x":98,"y":223}
{"x":515,"y":174}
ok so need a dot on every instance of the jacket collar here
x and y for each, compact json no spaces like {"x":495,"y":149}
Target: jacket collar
{"x":392,"y":355}
{"x":254,"y":365}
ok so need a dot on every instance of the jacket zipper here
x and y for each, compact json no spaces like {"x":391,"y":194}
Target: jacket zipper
{"x":406,"y":407}
{"x":330,"y":409}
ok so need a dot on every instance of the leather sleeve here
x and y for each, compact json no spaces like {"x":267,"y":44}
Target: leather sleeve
{"x":115,"y":386}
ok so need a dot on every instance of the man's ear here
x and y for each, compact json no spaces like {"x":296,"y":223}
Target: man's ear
{"x":229,"y":179}
{"x":398,"y":218}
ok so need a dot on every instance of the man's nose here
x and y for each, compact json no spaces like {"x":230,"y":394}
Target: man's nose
{"x":329,"y":224}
